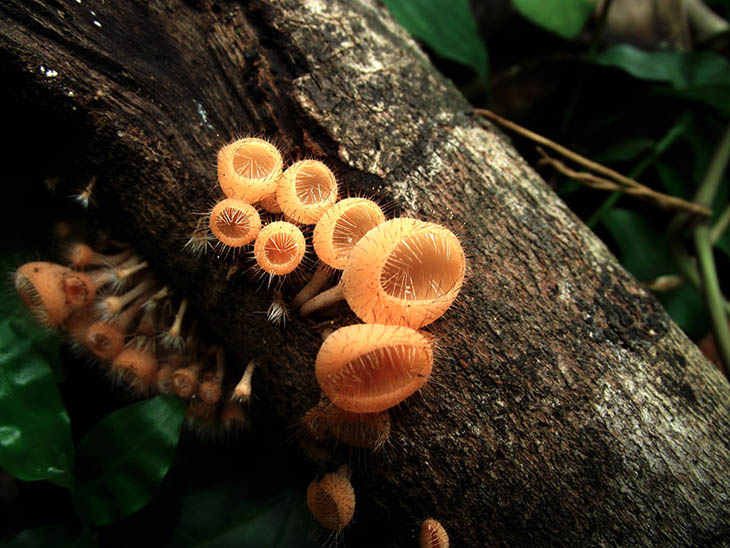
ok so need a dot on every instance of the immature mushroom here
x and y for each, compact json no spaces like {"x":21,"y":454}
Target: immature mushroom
{"x":210,"y":390}
{"x":332,"y":499}
{"x":80,"y":255}
{"x":105,"y":338}
{"x":138,"y":367}
{"x":363,"y":430}
{"x":185,"y":380}
{"x":433,"y":535}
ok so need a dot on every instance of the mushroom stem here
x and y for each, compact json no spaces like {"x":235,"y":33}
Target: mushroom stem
{"x":324,"y":300}
{"x":113,"y":305}
{"x":242,"y":392}
{"x":314,"y":286}
{"x":176,"y":328}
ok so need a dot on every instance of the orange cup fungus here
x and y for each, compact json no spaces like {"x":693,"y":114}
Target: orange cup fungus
{"x":80,"y":255}
{"x":363,"y":430}
{"x":40,"y":286}
{"x":234,"y":222}
{"x":137,"y":367}
{"x":342,"y":226}
{"x":185,"y":380}
{"x":279,"y":248}
{"x":370,"y":368}
{"x":306,"y":190}
{"x":404,"y":272}
{"x":433,"y":535}
{"x":332,"y":500}
{"x":248,"y":169}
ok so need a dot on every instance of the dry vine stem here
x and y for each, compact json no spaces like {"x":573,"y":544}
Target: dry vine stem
{"x":624,"y":184}
{"x":600,"y":183}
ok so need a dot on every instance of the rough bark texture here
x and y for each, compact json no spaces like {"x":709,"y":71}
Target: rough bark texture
{"x":566,"y":407}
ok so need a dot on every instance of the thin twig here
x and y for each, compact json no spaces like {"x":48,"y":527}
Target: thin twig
{"x":625,"y":184}
{"x":663,"y":200}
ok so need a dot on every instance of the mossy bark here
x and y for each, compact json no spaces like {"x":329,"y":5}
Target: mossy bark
{"x":566,"y":408}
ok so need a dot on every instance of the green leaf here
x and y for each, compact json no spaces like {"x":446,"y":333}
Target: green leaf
{"x":699,"y":75}
{"x":121,"y":461}
{"x":673,"y":181}
{"x":642,"y":249}
{"x":563,"y":17}
{"x":687,"y":307}
{"x":624,"y":150}
{"x":234,"y":515}
{"x":58,"y":536}
{"x":447,"y":26}
{"x":35,"y":434}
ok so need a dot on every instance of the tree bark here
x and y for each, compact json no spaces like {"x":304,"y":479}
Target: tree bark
{"x":566,"y":408}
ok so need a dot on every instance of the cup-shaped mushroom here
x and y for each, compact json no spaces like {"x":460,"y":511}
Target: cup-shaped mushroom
{"x":248,"y":169}
{"x":279,"y":248}
{"x":306,"y":190}
{"x":404,"y":272}
{"x":41,"y":288}
{"x":137,"y":367}
{"x":234,"y":223}
{"x":368,"y":368}
{"x":342,"y":226}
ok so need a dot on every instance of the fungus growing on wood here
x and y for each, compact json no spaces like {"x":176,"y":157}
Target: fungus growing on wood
{"x":342,"y":226}
{"x":433,"y":535}
{"x":185,"y":380}
{"x":234,"y":223}
{"x":105,"y":338}
{"x":40,"y":287}
{"x":248,"y":169}
{"x":402,"y":272}
{"x":210,"y":388}
{"x":306,"y":189}
{"x":363,"y":430}
{"x":332,"y":499}
{"x":137,"y":367}
{"x":81,"y":255}
{"x":279,"y":248}
{"x":369,"y":368}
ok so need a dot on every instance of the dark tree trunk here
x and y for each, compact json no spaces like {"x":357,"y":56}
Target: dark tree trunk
{"x":566,"y":407}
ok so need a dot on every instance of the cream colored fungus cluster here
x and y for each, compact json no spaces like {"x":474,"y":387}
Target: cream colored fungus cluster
{"x":397,"y":276}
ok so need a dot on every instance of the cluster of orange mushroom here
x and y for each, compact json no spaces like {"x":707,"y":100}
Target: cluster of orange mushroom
{"x":116,"y":313}
{"x":398,"y":276}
